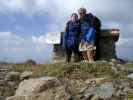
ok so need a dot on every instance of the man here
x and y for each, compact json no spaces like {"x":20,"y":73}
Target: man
{"x":89,"y":21}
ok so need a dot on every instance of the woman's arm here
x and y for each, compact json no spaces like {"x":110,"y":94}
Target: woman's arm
{"x":65,"y":35}
{"x":66,"y":27}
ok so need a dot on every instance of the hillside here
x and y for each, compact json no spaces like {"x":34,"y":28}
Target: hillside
{"x":100,"y":80}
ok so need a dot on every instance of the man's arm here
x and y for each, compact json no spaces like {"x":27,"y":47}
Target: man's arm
{"x":96,"y":23}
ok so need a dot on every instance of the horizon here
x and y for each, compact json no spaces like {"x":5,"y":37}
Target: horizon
{"x":24,"y":25}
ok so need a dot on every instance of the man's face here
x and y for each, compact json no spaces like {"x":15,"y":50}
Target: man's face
{"x":82,"y":14}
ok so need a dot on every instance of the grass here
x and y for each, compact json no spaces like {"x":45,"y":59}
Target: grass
{"x":22,"y":67}
{"x":7,"y":91}
{"x":130,"y":65}
{"x":60,"y":69}
{"x":130,"y":96}
{"x":98,"y":69}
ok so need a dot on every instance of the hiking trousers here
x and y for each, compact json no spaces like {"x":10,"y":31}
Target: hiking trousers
{"x":70,"y":51}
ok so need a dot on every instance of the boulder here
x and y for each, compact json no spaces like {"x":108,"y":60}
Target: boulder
{"x":12,"y":76}
{"x":26,"y":75}
{"x":33,"y":86}
{"x":2,"y":98}
{"x":46,"y":88}
{"x":130,"y":76}
{"x":105,"y":91}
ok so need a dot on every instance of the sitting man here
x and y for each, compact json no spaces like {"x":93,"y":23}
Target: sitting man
{"x":89,"y":24}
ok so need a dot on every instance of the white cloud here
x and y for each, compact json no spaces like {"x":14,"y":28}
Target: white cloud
{"x":124,"y":48}
{"x":116,"y":14}
{"x":64,"y":7}
{"x":60,"y":10}
{"x":60,"y":6}
{"x":47,"y":38}
{"x":9,"y":38}
{"x":40,"y":39}
{"x":17,"y":48}
{"x":12,"y":5}
{"x":5,"y":34}
{"x":111,"y":24}
{"x":125,"y":42}
{"x":13,"y":49}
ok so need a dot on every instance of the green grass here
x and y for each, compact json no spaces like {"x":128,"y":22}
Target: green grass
{"x":22,"y":67}
{"x":98,"y":69}
{"x":130,"y":96}
{"x":130,"y":65}
{"x":60,"y":69}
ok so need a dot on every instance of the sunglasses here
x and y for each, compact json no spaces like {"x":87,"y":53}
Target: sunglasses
{"x":82,"y":13}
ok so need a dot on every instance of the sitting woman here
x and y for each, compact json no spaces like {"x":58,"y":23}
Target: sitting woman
{"x":71,"y":38}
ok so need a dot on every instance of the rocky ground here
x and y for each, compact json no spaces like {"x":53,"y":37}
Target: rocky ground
{"x":100,"y":80}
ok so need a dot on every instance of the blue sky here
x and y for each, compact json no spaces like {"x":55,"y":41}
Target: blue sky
{"x":25,"y":23}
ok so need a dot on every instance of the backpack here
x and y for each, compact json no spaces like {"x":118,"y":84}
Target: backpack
{"x":96,"y":23}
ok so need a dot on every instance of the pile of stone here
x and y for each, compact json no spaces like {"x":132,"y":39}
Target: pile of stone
{"x":46,"y":88}
{"x":4,"y":69}
{"x":108,"y":38}
{"x":107,"y":41}
{"x":9,"y":80}
{"x":12,"y":79}
{"x":51,"y":88}
{"x":74,"y":88}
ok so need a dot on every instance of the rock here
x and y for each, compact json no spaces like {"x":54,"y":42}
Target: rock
{"x":11,"y":83}
{"x":4,"y":69}
{"x":125,"y":83}
{"x":94,"y":81}
{"x":26,"y":75}
{"x":127,"y":89}
{"x":129,"y":70}
{"x":116,"y":61}
{"x":122,"y":88}
{"x":114,"y":69}
{"x":30,"y":62}
{"x":120,"y":67}
{"x":12,"y":76}
{"x":33,"y":86}
{"x":113,"y":62}
{"x":2,"y":98}
{"x":130,"y":76}
{"x":46,"y":88}
{"x":101,"y":62}
{"x":105,"y":91}
{"x":125,"y":68}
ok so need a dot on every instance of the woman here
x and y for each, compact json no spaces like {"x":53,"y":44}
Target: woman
{"x":71,"y":38}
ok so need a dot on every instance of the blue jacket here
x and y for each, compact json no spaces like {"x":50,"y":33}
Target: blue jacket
{"x":71,"y":36}
{"x":87,"y":28}
{"x":89,"y":36}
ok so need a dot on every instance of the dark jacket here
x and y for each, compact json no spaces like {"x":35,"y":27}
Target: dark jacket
{"x":88,"y":28}
{"x":71,"y":36}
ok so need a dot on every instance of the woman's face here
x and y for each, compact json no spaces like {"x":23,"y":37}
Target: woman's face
{"x":74,"y":18}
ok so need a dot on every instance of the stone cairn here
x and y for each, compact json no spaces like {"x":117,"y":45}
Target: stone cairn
{"x":107,"y":40}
